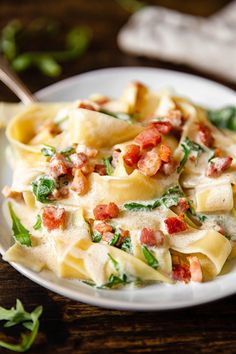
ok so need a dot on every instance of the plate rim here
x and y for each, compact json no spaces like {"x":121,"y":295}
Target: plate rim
{"x":100,"y":301}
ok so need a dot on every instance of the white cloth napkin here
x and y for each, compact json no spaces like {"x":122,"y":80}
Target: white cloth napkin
{"x":208,"y":44}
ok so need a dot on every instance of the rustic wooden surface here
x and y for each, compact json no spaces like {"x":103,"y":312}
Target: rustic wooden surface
{"x":69,"y":327}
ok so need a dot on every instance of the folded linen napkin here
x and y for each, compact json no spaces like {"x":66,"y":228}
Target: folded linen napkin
{"x":208,"y":44}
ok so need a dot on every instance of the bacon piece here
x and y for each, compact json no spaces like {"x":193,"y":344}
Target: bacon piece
{"x":10,"y":193}
{"x":163,"y":127}
{"x":205,"y":135}
{"x":182,"y":206}
{"x":106,"y":211}
{"x":58,"y":194}
{"x":181,"y":273}
{"x":52,"y":127}
{"x":102,"y":228}
{"x":88,"y":106}
{"x":80,"y":183}
{"x":112,"y":210}
{"x":149,"y":137}
{"x":58,"y":166}
{"x":107,"y":236}
{"x":149,"y":163}
{"x":218,"y":152}
{"x":101,"y":169}
{"x":175,"y":225}
{"x":53,"y":218}
{"x":165,"y":153}
{"x":169,"y":167}
{"x":132,"y":154}
{"x":218,"y":165}
{"x":89,"y":152}
{"x":100,"y":99}
{"x":124,"y":234}
{"x":195,"y":269}
{"x":78,"y":159}
{"x":148,"y":237}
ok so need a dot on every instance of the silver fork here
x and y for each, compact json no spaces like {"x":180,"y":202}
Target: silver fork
{"x":12,"y":81}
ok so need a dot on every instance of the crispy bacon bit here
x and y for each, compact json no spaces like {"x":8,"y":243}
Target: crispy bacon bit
{"x":218,"y":152}
{"x":88,"y":106}
{"x":103,"y":228}
{"x":115,"y":157}
{"x":87,"y":169}
{"x":107,"y":236}
{"x":169,"y":167}
{"x":149,"y":163}
{"x":165,"y":153}
{"x":195,"y":269}
{"x":58,"y":166}
{"x":148,"y":237}
{"x":218,"y":165}
{"x":124,"y":234}
{"x":182,"y":206}
{"x":175,"y":225}
{"x":163,"y":127}
{"x":89,"y":152}
{"x":52,"y":127}
{"x":54,"y":218}
{"x":205,"y":135}
{"x":100,"y":100}
{"x":10,"y":193}
{"x":132,"y":154}
{"x":101,"y":169}
{"x":106,"y":211}
{"x":80,"y":183}
{"x":176,"y":118}
{"x":78,"y":159}
{"x":58,"y":194}
{"x":181,"y":273}
{"x":149,"y":137}
{"x":112,"y":210}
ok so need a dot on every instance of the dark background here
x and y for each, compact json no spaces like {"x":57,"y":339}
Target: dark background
{"x":71,"y":327}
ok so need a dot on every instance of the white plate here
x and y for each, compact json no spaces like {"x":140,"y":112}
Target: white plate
{"x":155,"y":297}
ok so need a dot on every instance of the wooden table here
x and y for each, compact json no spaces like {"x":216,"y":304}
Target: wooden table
{"x":70,"y":327}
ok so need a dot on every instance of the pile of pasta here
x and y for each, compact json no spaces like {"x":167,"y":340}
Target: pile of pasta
{"x":112,"y":192}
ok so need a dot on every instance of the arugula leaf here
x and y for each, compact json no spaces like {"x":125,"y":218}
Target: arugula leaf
{"x":189,"y":146}
{"x":68,"y":151}
{"x":18,"y":315}
{"x":114,"y":239}
{"x":114,"y":280}
{"x":48,"y":150}
{"x":170,"y":198}
{"x":119,"y":115}
{"x":96,"y":236}
{"x":115,"y":263}
{"x":42,"y":187}
{"x":142,"y":207}
{"x":151,"y":260}
{"x":21,"y":234}
{"x":38,"y":223}
{"x":107,"y":163}
{"x":127,"y":245}
{"x":224,"y":117}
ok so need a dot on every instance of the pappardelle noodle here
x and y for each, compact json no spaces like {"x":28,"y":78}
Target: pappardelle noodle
{"x":121,"y":191}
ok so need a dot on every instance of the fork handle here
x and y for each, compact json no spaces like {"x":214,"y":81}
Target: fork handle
{"x":12,"y":81}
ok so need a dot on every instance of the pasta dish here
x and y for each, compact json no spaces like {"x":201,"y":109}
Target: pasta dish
{"x":117,"y":192}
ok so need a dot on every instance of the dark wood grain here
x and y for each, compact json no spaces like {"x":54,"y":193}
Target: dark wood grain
{"x":69,"y":327}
